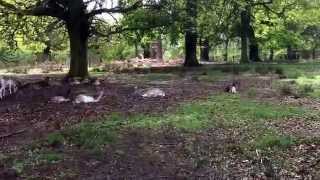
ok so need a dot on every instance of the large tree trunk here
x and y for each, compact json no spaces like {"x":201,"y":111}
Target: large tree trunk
{"x":156,"y":48}
{"x":191,"y":35}
{"x":146,"y":50}
{"x":226,"y":50}
{"x":47,"y":51}
{"x":254,"y":52}
{"x":314,"y":53}
{"x":254,"y":46}
{"x":271,"y":55}
{"x":290,"y":53}
{"x":78,"y":30}
{"x":191,"y":50}
{"x":136,"y":50}
{"x":245,"y":24}
{"x":205,"y":49}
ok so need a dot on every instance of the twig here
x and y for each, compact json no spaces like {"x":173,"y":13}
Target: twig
{"x":12,"y":134}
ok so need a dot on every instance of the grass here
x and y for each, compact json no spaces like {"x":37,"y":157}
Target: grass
{"x":35,"y":158}
{"x":273,"y":140}
{"x":249,"y":118}
{"x":227,"y":111}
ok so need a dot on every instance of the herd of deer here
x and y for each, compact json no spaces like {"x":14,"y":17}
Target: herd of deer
{"x":9,"y":86}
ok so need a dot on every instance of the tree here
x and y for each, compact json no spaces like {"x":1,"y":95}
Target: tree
{"x":215,"y":25}
{"x":191,"y":34}
{"x":79,"y":18}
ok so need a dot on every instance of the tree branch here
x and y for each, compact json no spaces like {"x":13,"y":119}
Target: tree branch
{"x":40,"y":9}
{"x":118,"y":9}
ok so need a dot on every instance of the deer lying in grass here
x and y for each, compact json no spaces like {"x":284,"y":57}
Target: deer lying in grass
{"x":82,"y":98}
{"x":59,"y":99}
{"x":7,"y":84}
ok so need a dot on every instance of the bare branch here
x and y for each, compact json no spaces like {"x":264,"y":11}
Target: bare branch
{"x":118,"y":9}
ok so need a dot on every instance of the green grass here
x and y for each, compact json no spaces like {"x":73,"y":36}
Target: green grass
{"x":228,"y":111}
{"x":222,"y":110}
{"x":35,"y":158}
{"x":94,"y":135}
{"x":304,"y":85}
{"x":273,"y":140}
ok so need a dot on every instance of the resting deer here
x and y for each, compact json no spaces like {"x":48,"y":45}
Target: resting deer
{"x":7,"y":84}
{"x":59,"y":99}
{"x":82,"y":98}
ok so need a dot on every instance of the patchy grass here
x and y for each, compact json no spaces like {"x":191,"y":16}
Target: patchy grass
{"x":309,"y":85}
{"x":94,"y":136}
{"x":249,"y":121}
{"x":157,"y":77}
{"x":227,"y":111}
{"x":273,"y":140}
{"x":34,"y":158}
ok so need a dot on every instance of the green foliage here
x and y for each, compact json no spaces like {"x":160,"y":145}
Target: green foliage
{"x":55,"y":139}
{"x":306,"y":90}
{"x":235,"y":69}
{"x":174,"y":51}
{"x":279,"y":71}
{"x":115,"y":50}
{"x":263,"y":69}
{"x":252,"y":92}
{"x":274,"y":140}
{"x":286,"y":90}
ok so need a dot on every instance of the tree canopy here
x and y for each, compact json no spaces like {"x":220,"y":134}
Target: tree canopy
{"x":258,"y":25}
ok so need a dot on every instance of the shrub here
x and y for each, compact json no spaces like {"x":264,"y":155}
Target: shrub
{"x":263,"y":70}
{"x":55,"y":139}
{"x":286,"y":90}
{"x":306,"y":89}
{"x":252,"y":92}
{"x":279,"y":71}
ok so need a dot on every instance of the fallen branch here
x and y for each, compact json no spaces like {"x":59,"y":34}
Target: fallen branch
{"x":12,"y":134}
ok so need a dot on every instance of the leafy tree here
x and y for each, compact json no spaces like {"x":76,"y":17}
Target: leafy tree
{"x":191,"y":34}
{"x":80,"y":18}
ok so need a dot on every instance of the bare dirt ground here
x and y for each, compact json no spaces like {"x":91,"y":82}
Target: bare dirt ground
{"x":29,"y":116}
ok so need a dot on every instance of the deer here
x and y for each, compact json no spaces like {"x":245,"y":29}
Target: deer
{"x":7,"y":84}
{"x":82,"y":98}
{"x":232,"y":88}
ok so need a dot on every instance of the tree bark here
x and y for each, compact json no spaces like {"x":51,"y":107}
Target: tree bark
{"x":156,"y":50}
{"x":146,"y":50}
{"x":271,"y":55}
{"x":226,"y":50}
{"x":47,"y":52}
{"x":136,"y":50}
{"x":205,"y":50}
{"x":314,"y":53}
{"x":290,"y":53}
{"x":78,"y":31}
{"x":245,"y":23}
{"x":191,"y":35}
{"x":254,"y":46}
